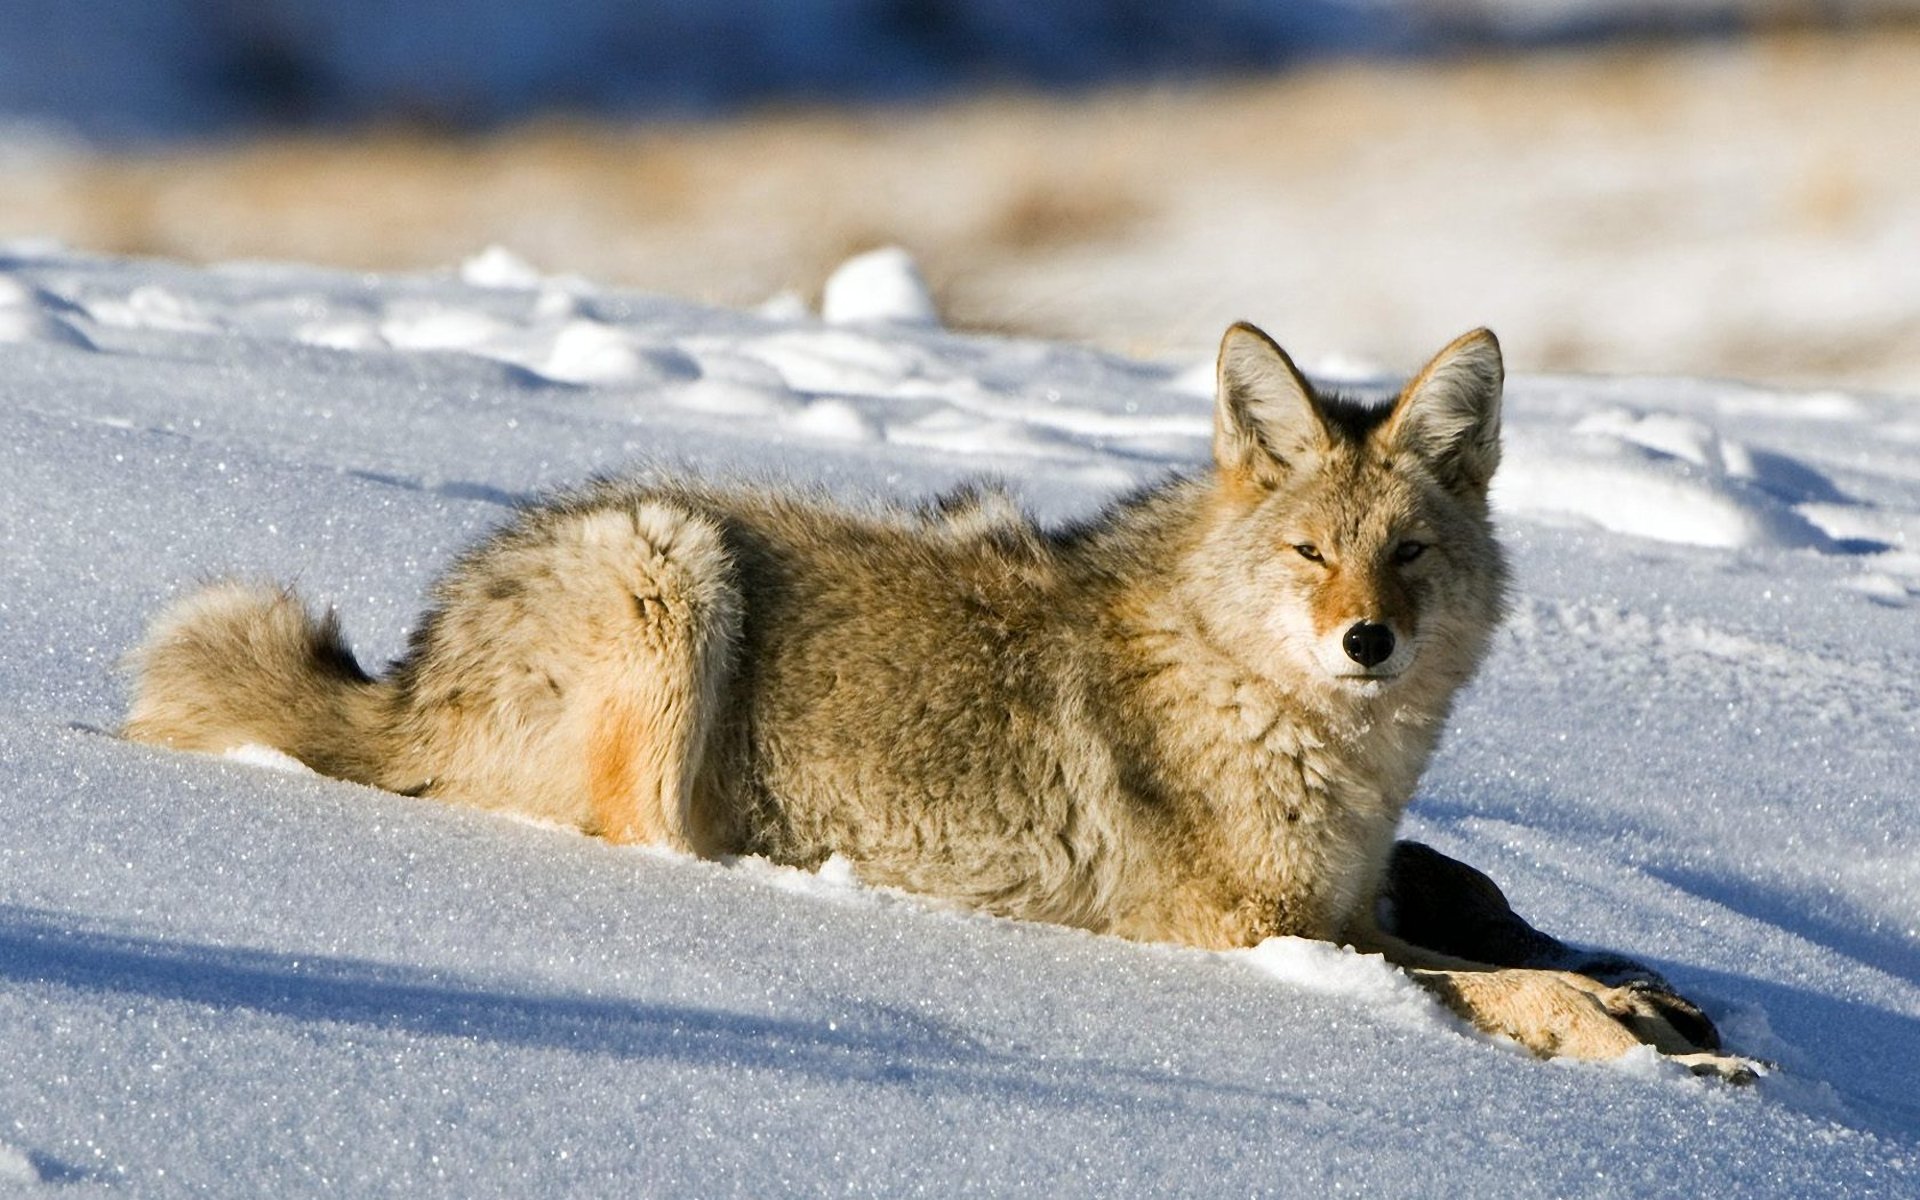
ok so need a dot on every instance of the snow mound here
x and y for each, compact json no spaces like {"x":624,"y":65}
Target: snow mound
{"x":883,"y":287}
{"x":16,"y":1167}
{"x":1663,"y":476}
{"x":1338,"y":971}
{"x":24,"y":317}
{"x":255,"y":755}
{"x":499,"y":267}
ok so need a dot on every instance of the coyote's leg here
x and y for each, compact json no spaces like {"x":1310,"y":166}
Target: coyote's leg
{"x":664,"y":653}
{"x":1442,"y":904}
{"x":1558,"y":1013}
{"x":575,"y":670}
{"x":1551,"y":1012}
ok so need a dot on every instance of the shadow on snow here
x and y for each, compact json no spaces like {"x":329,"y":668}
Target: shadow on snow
{"x":871,"y":1043}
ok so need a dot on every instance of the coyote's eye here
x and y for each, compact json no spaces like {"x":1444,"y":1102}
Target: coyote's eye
{"x":1406,"y":552}
{"x":1308,"y":551}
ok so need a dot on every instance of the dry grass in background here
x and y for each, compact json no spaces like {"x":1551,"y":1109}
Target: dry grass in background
{"x":1749,"y":209}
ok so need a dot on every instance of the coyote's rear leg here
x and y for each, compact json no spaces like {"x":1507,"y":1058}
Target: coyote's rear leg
{"x":576,"y":665}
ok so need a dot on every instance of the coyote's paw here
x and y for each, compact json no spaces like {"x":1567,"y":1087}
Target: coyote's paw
{"x":1559,"y":1014}
{"x":1657,"y":1015}
{"x":1729,"y":1067}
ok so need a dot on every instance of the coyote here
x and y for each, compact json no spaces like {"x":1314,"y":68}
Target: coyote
{"x":1194,"y":718}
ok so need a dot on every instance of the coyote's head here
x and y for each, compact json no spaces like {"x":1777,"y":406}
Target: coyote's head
{"x":1351,"y":546}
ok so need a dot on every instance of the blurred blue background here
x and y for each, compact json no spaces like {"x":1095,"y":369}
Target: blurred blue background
{"x":141,"y":69}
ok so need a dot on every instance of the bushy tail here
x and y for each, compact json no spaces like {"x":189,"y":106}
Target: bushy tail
{"x":237,"y":664}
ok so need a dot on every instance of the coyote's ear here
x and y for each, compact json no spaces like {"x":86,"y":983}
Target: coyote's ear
{"x":1266,"y":421}
{"x":1450,"y":414}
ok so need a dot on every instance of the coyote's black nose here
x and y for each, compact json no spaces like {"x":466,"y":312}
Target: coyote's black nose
{"x":1368,"y":644}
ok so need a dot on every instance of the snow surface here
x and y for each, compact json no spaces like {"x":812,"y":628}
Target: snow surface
{"x":1694,"y":742}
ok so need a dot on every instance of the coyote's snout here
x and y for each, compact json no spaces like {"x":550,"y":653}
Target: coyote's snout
{"x":1195,"y":718}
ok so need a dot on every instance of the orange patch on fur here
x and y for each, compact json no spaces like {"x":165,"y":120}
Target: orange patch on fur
{"x":613,"y":778}
{"x":1351,"y":596}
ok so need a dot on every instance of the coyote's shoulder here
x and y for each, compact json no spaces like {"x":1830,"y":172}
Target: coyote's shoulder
{"x":1196,"y":717}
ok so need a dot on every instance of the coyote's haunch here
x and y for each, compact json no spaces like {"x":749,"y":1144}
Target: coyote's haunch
{"x":1194,"y":718}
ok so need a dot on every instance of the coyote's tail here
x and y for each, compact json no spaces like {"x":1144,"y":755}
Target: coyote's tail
{"x":237,"y":664}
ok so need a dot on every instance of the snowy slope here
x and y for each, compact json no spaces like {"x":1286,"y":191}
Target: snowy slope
{"x":1694,"y":742}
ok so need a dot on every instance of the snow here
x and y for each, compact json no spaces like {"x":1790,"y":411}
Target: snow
{"x":882,"y":286}
{"x":256,"y":755}
{"x":1693,"y":743}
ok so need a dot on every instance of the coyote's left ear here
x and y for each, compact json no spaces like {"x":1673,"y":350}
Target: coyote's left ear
{"x":1450,"y":414}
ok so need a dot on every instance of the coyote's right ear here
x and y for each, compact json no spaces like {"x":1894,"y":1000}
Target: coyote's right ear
{"x":1266,"y":421}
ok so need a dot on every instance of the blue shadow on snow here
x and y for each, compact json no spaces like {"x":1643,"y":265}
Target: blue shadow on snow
{"x":874,"y":1043}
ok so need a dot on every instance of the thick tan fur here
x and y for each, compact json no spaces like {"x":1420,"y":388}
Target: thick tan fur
{"x":1151,"y":725}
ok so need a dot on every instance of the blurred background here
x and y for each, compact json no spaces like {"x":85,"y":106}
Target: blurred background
{"x":1719,"y":187}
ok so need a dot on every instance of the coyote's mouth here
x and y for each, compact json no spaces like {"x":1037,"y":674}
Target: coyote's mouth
{"x":1360,"y":680}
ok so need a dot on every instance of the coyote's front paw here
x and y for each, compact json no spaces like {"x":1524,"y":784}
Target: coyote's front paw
{"x":1657,"y":1015}
{"x":1559,"y":1014}
{"x":1730,"y":1067}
